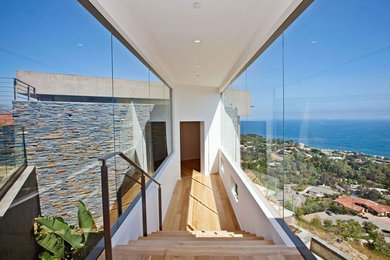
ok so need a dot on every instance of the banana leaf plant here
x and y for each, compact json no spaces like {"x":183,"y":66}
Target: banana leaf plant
{"x":61,"y":240}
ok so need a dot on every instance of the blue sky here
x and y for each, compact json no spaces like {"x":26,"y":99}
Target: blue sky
{"x":337,"y":56}
{"x":60,"y":36}
{"x":337,"y":65}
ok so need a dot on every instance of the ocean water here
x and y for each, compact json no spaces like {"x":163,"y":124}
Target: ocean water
{"x":367,"y":136}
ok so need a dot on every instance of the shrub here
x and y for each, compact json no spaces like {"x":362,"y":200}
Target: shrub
{"x":316,"y":221}
{"x":61,"y":240}
{"x":328,"y":223}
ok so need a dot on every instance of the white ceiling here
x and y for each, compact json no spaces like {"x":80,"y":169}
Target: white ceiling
{"x":162,"y":32}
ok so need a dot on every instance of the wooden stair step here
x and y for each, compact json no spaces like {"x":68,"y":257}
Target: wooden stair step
{"x":220,"y":234}
{"x":200,"y":243}
{"x":198,"y":234}
{"x":172,"y":234}
{"x":213,"y":250}
{"x":202,"y":238}
{"x":272,"y":257}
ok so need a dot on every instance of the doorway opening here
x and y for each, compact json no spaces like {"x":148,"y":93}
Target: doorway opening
{"x":190,"y":147}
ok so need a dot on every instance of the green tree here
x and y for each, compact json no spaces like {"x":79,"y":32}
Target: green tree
{"x":349,"y":229}
{"x":328,"y":223}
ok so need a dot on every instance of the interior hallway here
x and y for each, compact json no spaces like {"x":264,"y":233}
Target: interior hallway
{"x":199,"y":202}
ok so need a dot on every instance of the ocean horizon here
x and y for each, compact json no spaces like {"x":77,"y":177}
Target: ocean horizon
{"x":370,"y":137}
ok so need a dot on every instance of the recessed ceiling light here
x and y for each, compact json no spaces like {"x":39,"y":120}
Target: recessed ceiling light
{"x":197,"y":66}
{"x":196,"y":5}
{"x":197,"y":41}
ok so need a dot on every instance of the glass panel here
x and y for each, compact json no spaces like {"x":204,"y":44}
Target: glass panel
{"x":62,"y":59}
{"x":142,"y":123}
{"x":131,"y":114}
{"x":79,"y":94}
{"x":12,"y":152}
{"x":262,"y":130}
{"x":337,"y":100}
{"x":160,"y":140}
{"x":316,"y":139}
{"x":254,"y":108}
{"x":235,"y":106}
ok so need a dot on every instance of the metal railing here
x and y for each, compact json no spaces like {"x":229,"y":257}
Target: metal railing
{"x":15,"y":89}
{"x":106,"y":201}
{"x":22,"y":89}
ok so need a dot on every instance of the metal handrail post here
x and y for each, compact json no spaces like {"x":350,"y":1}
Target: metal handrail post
{"x":159,"y":208}
{"x":15,"y":90}
{"x":119,"y":200}
{"x":106,"y":211}
{"x":143,"y":189}
{"x":24,"y":146}
{"x":143,"y":192}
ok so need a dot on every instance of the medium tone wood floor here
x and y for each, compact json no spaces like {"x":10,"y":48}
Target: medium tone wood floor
{"x":199,"y":202}
{"x":201,"y":225}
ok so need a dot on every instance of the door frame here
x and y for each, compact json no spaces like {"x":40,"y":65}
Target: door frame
{"x":201,"y":140}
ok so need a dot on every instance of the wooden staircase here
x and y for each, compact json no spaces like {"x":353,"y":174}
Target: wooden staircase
{"x":204,"y":245}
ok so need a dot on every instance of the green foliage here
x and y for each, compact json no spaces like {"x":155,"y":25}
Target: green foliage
{"x":372,"y":195}
{"x":349,"y":229}
{"x":47,"y":256}
{"x":52,"y":243}
{"x":314,"y":170}
{"x":61,"y":240}
{"x":313,"y":205}
{"x":316,"y":221}
{"x":338,"y":210}
{"x":288,"y":205}
{"x":86,"y":222}
{"x":311,"y":166}
{"x":328,"y":223}
{"x":369,"y":227}
{"x":57,"y":226}
{"x":300,"y":187}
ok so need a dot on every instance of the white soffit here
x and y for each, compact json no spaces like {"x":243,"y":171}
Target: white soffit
{"x":163,"y":33}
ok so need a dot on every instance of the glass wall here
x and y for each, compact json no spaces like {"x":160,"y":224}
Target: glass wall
{"x":258,"y":93}
{"x":12,"y":154}
{"x":80,"y":94}
{"x":316,"y":140}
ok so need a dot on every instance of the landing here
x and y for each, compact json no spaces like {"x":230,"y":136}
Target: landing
{"x":199,"y":202}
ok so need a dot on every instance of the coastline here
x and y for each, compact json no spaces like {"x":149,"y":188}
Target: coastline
{"x":368,"y":137}
{"x":330,"y":150}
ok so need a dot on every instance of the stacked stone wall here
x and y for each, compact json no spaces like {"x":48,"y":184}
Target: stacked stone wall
{"x":64,"y":141}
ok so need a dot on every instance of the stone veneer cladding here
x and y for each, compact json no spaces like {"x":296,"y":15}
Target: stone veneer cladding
{"x":64,"y":141}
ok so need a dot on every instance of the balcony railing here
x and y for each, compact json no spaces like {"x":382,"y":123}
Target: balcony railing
{"x":13,"y":158}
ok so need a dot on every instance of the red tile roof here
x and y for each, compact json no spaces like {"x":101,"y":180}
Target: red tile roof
{"x":359,"y":204}
{"x":6,"y":119}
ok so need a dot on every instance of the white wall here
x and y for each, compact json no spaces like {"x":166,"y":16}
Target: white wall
{"x":189,"y":104}
{"x":201,"y":104}
{"x":131,"y":227}
{"x":189,"y":140}
{"x":253,"y":212}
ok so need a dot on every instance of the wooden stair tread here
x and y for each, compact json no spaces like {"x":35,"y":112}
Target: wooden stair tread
{"x":194,"y":250}
{"x":202,"y":238}
{"x":204,"y":245}
{"x":199,"y":242}
{"x":161,"y":257}
{"x":222,"y":233}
